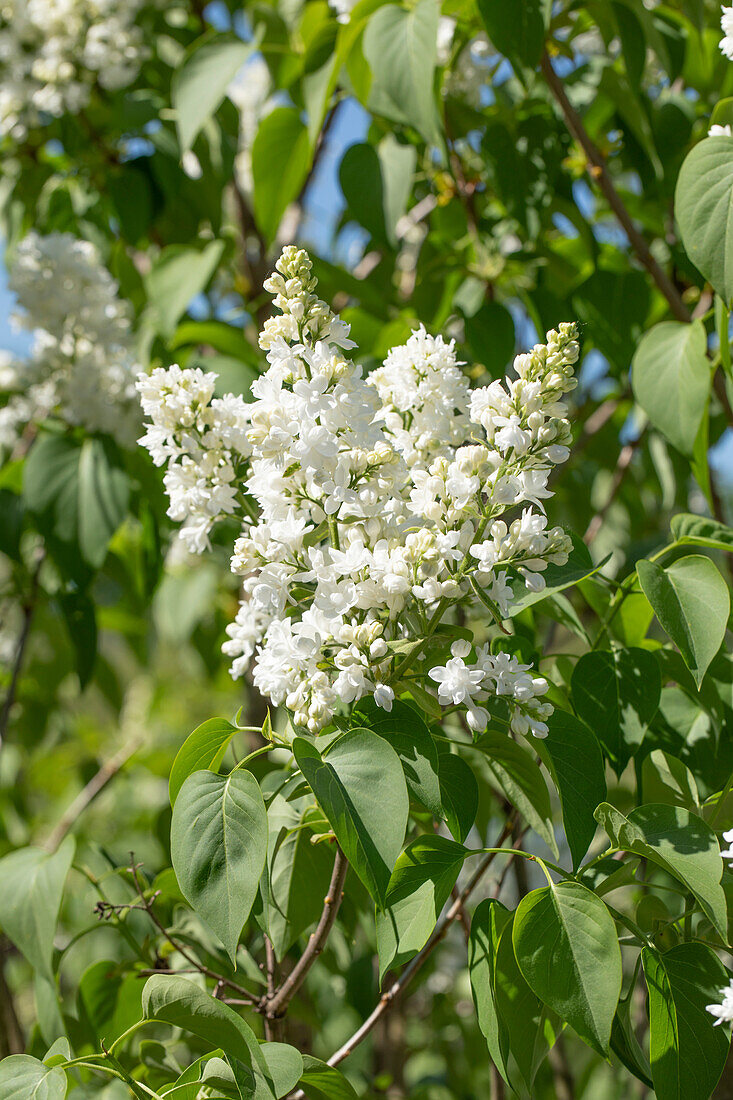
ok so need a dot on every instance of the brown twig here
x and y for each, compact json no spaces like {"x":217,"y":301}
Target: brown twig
{"x":273,"y":1024}
{"x":249,"y":998}
{"x":95,"y":786}
{"x":439,"y":933}
{"x":622,"y":465}
{"x":28,"y":612}
{"x":275,"y":1005}
{"x":598,"y":171}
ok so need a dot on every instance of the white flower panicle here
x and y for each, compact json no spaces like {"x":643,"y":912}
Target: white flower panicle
{"x":81,"y":366}
{"x":370,"y":507}
{"x":203,"y":439}
{"x":53,"y":51}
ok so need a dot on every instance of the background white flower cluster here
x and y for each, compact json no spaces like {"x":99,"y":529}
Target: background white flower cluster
{"x":81,"y":366}
{"x":53,"y":51}
{"x":371,"y":507}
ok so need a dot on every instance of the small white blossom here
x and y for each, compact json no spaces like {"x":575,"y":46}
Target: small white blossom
{"x":723,"y":1011}
{"x":726,"y":25}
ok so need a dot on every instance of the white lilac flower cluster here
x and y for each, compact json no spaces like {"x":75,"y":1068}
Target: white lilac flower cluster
{"x":53,"y":51}
{"x":371,"y":507}
{"x":81,"y":365}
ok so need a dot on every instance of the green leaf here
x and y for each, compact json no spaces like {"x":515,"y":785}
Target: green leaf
{"x":370,"y":830}
{"x":285,"y":1064}
{"x":616,"y":693}
{"x":108,"y":1001}
{"x":400,"y":47}
{"x":199,"y":86}
{"x":686,"y":1052}
{"x":376,"y":184}
{"x":670,"y":375}
{"x":324,"y":1082}
{"x":692,"y":602}
{"x":574,"y":758}
{"x":25,"y":1078}
{"x":664,"y":778}
{"x":278,"y":178}
{"x":458,"y":794}
{"x":180,"y":1003}
{"x":624,"y":1042}
{"x":567,"y":949}
{"x":703,"y":207}
{"x":30,"y":899}
{"x":701,"y":531}
{"x":219,"y":847}
{"x":515,"y":773}
{"x":527,"y":1027}
{"x":228,"y":340}
{"x":80,"y":493}
{"x":489,"y":920}
{"x":420,"y":885}
{"x":680,"y":842}
{"x":405,"y":730}
{"x":517,"y":31}
{"x":177,"y":276}
{"x":491,"y":336}
{"x":203,"y":750}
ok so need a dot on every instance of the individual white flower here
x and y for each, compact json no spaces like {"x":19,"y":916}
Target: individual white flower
{"x":723,"y":1012}
{"x":720,"y":131}
{"x":728,"y":838}
{"x":383,"y":696}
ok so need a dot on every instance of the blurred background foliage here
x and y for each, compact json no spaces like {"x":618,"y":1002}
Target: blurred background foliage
{"x":472,"y":165}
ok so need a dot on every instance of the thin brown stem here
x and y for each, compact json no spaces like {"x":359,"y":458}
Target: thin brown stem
{"x":439,"y":933}
{"x":276,"y":1005}
{"x":273,"y":1024}
{"x":219,"y":978}
{"x":622,"y":466}
{"x":28,"y":612}
{"x":94,"y":787}
{"x":599,"y":173}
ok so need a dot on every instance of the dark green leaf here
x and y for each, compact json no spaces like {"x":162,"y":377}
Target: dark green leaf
{"x":458,"y":794}
{"x":616,"y":693}
{"x":487,"y":924}
{"x":692,"y":602}
{"x":370,"y":830}
{"x":686,"y":1052}
{"x":323,"y":1082}
{"x":575,"y":760}
{"x":680,"y":842}
{"x":515,"y":773}
{"x":567,"y":949}
{"x":517,"y":31}
{"x":420,"y":885}
{"x":278,"y":178}
{"x":219,"y":847}
{"x":406,"y":731}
